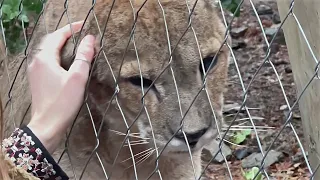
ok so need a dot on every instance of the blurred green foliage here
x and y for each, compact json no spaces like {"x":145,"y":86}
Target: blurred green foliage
{"x":17,"y":14}
{"x":231,"y":5}
{"x":251,"y":174}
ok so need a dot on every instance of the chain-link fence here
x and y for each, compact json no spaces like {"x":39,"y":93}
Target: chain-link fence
{"x":157,"y":135}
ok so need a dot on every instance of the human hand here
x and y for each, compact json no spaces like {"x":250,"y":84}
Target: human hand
{"x":57,"y":94}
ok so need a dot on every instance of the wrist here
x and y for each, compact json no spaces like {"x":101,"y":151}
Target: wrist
{"x":49,"y":136}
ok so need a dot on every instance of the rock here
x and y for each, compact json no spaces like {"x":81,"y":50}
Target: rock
{"x":255,"y":159}
{"x":280,"y":62}
{"x":266,"y":23}
{"x":242,"y":153}
{"x":245,"y":152}
{"x":274,"y":47}
{"x":283,"y":107}
{"x":298,"y":157}
{"x":296,"y":116}
{"x":276,"y":18}
{"x":238,"y":32}
{"x":212,"y":148}
{"x":238,"y":44}
{"x":264,"y":10}
{"x":279,"y":39}
{"x":270,"y":32}
{"x":288,"y":69}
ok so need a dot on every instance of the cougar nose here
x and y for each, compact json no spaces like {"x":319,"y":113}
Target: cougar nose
{"x":192,"y":138}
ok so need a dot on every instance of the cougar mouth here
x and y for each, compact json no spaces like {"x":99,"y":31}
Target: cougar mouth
{"x":179,"y":146}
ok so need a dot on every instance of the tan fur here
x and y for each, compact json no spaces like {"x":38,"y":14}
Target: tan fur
{"x":163,"y":109}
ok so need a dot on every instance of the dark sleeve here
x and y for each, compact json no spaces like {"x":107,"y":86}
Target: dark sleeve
{"x":26,"y":151}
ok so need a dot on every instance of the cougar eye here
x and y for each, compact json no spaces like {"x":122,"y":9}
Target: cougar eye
{"x":136,"y":80}
{"x":206,"y":63}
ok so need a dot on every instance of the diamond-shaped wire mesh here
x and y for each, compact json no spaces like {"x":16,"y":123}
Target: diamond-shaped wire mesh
{"x":257,"y":87}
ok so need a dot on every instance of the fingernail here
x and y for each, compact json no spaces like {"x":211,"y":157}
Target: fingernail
{"x":89,"y":39}
{"x":79,"y":22}
{"x":76,"y":24}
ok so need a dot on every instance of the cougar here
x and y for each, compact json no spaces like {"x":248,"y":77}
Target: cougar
{"x":167,"y":46}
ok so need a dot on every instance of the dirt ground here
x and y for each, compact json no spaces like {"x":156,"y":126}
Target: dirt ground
{"x":264,"y":95}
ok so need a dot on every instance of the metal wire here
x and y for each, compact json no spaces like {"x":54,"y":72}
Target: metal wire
{"x":156,"y":153}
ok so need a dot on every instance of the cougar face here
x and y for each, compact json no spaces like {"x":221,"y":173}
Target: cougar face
{"x":176,"y":100}
{"x":181,"y":80}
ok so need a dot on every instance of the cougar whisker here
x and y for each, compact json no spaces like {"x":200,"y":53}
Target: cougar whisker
{"x":143,"y":159}
{"x":244,"y":129}
{"x":142,"y":152}
{"x":138,"y":141}
{"x":135,"y":144}
{"x":130,"y":135}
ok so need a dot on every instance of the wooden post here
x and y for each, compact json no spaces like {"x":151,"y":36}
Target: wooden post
{"x":303,"y":68}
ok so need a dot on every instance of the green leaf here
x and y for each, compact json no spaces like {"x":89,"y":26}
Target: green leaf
{"x":240,"y":136}
{"x":231,"y":5}
{"x":13,"y":17}
{"x":14,"y":4}
{"x":23,"y":18}
{"x":246,"y":132}
{"x":34,"y":6}
{"x":6,"y":9}
{"x":249,"y":175}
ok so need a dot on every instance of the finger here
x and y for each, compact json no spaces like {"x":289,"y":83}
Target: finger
{"x":81,"y":65}
{"x":53,"y":42}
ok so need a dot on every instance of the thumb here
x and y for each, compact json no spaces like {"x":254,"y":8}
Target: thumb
{"x":83,"y":59}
